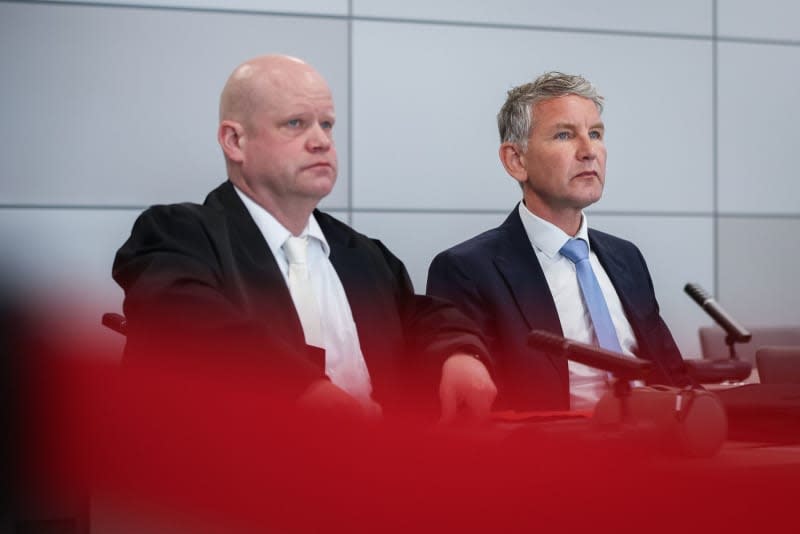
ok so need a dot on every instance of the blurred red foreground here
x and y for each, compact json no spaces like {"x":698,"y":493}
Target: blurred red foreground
{"x":211,"y":449}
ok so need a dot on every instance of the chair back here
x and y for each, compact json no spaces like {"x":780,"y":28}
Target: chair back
{"x":712,"y":341}
{"x":778,"y":365}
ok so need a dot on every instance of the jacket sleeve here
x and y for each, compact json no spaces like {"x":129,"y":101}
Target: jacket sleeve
{"x":434,"y":328}
{"x":180,"y":307}
{"x":448,"y":280}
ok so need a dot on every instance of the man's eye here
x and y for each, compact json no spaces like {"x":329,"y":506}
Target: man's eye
{"x":327,"y":125}
{"x":294,"y":123}
{"x":562,"y":135}
{"x":596,"y":134}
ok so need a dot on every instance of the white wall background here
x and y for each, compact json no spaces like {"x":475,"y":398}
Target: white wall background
{"x":108,"y":107}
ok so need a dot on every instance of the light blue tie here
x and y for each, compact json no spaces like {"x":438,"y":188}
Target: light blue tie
{"x":577,"y":251}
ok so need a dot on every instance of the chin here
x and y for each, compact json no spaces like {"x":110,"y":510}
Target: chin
{"x":321,"y":188}
{"x":591,"y":196}
{"x":595,"y":198}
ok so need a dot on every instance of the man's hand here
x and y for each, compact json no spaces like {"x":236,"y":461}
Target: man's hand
{"x":322,"y":397}
{"x":465,"y":382}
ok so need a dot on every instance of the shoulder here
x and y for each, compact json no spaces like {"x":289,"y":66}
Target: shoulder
{"x":487,"y":245}
{"x":187,"y":229}
{"x":343,"y":239}
{"x":351,"y":249}
{"x":220,"y":204}
{"x":339,"y":232}
{"x":180,"y":220}
{"x":180,"y":211}
{"x":610,"y":241}
{"x":334,"y":228}
{"x":482,"y":247}
{"x":613,"y":250}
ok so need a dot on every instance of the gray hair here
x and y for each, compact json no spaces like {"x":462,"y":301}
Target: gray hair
{"x":514,"y":121}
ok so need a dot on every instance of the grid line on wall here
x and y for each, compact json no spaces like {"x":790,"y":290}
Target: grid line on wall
{"x":350,"y":158}
{"x":714,"y":36}
{"x":349,"y":209}
{"x":714,"y":153}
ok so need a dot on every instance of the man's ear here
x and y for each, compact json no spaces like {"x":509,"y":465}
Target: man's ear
{"x":513,"y":159}
{"x":231,"y":138}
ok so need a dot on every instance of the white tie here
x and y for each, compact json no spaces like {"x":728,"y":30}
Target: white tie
{"x":302,"y":291}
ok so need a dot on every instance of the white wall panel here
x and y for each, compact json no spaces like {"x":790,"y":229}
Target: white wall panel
{"x":758,"y":269}
{"x":758,"y":118}
{"x":59,"y":262}
{"x":681,"y":16}
{"x":416,"y":238}
{"x":425,"y":99}
{"x":62,"y":248}
{"x":119,"y":106}
{"x":765,"y":19}
{"x":678,"y":250}
{"x":326,"y":7}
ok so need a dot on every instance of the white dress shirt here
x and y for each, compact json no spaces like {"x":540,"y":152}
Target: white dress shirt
{"x":344,"y":361}
{"x":586,"y":384}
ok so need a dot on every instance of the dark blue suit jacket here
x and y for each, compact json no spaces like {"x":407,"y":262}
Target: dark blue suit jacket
{"x":496,"y":279}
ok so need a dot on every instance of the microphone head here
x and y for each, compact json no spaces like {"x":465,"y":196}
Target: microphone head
{"x":698,"y":294}
{"x":734,"y":330}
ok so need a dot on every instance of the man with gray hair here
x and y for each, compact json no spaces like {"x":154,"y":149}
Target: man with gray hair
{"x":544,"y":268}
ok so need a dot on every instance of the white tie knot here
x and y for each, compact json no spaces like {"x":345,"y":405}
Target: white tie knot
{"x":296,"y":249}
{"x":302,"y":289}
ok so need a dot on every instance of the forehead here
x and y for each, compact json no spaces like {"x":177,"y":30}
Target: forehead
{"x":296,"y":92}
{"x":569,"y":109}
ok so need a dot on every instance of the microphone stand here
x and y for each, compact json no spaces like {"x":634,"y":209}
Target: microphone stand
{"x":622,"y":391}
{"x":719,"y":370}
{"x":731,"y":342}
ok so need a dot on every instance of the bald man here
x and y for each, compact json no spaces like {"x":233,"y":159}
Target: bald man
{"x":258,"y":272}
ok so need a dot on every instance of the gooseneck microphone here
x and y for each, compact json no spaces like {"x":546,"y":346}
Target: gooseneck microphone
{"x":622,"y":367}
{"x":736,"y":332}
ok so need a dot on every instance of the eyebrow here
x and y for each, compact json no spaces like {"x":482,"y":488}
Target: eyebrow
{"x":301,"y":113}
{"x":572,"y":126}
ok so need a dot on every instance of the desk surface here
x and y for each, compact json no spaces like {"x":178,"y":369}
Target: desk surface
{"x":752,"y":454}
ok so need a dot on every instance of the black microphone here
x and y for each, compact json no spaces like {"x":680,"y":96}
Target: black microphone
{"x":735,"y":331}
{"x":622,"y":367}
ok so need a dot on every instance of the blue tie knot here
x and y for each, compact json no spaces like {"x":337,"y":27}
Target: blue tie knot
{"x":576,"y":250}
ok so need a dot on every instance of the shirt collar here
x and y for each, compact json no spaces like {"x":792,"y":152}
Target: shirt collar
{"x":547,"y":237}
{"x":274,"y":232}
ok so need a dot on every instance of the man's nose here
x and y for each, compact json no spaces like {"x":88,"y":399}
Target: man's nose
{"x":319,"y":138}
{"x":587,"y":148}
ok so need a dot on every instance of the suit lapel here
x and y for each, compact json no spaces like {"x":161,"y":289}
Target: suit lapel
{"x":346,"y":260}
{"x":617,"y":271}
{"x":370,"y":299}
{"x":517,"y":263}
{"x":244,"y":230}
{"x":349,"y":263}
{"x":257,"y":272}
